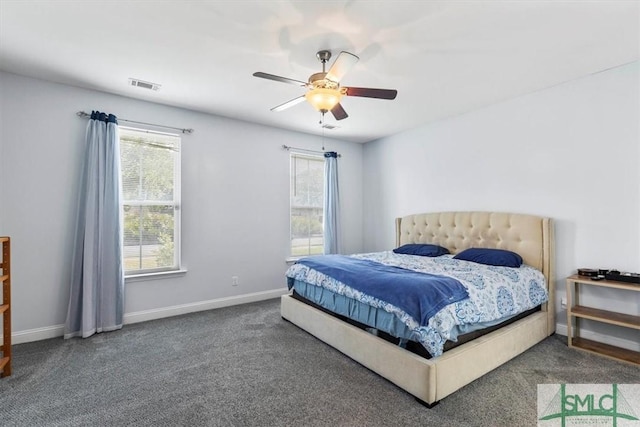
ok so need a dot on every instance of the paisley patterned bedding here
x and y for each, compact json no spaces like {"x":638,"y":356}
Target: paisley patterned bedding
{"x":495,"y":293}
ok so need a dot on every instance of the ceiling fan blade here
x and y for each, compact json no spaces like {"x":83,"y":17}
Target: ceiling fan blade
{"x":280,"y":79}
{"x":288,"y":104}
{"x":341,"y":66}
{"x":368,"y":92}
{"x":338,"y":112}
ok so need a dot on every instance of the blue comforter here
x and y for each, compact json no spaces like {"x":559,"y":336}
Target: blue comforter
{"x":421,"y":295}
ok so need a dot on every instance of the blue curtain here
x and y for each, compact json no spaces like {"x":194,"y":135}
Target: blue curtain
{"x":96,"y":301}
{"x":331,"y":204}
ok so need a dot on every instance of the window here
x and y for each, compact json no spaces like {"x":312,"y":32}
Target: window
{"x":307,"y":197}
{"x":150,"y":164}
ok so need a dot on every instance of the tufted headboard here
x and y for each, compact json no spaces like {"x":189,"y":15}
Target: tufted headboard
{"x":528,"y":235}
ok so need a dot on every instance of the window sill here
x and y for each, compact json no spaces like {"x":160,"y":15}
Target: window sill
{"x":153,"y":276}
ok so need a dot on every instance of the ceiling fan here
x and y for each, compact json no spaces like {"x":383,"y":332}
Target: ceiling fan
{"x":324,"y":90}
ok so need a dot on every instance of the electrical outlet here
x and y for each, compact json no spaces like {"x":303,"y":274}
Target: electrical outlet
{"x":234,"y":280}
{"x":563,"y":302}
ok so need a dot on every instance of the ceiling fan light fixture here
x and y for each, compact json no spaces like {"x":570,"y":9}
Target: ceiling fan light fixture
{"x":324,"y":91}
{"x":323,"y":99}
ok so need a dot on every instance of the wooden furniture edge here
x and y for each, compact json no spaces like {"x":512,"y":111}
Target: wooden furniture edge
{"x":575,"y":311}
{"x":606,"y":350}
{"x":5,"y":305}
{"x":603,"y":283}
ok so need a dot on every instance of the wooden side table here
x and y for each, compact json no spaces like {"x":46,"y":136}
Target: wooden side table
{"x":576,"y":312}
{"x":5,"y":306}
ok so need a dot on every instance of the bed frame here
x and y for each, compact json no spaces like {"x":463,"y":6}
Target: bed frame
{"x":430,"y":380}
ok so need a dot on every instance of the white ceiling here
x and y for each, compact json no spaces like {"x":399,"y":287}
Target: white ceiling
{"x":444,"y":57}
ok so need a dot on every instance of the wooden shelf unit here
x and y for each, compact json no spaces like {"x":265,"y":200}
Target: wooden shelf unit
{"x":575,"y":312}
{"x":5,"y":307}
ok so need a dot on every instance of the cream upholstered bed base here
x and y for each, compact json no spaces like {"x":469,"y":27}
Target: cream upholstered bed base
{"x":430,"y":380}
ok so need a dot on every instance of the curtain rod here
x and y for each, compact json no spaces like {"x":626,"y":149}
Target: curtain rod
{"x":189,"y":131}
{"x":304,"y":150}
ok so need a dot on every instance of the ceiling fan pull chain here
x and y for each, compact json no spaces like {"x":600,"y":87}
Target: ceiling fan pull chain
{"x":322,"y":126}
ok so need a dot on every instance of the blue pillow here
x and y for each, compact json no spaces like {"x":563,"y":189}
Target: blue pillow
{"x":499,"y":257}
{"x":421,"y":249}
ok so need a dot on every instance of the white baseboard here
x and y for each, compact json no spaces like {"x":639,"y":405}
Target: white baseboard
{"x":176,"y":310}
{"x":561,"y":329}
{"x":37,"y":334}
{"x":54,"y":331}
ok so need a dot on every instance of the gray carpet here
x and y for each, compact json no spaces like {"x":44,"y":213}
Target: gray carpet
{"x":245,"y":366}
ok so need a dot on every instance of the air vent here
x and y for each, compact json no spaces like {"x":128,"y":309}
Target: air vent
{"x":143,"y":84}
{"x":330,"y":127}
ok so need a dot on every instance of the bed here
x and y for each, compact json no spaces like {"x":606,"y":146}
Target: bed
{"x":431,"y":379}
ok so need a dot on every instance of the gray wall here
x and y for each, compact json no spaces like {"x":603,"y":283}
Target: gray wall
{"x":235,"y":193}
{"x":570,"y":152}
